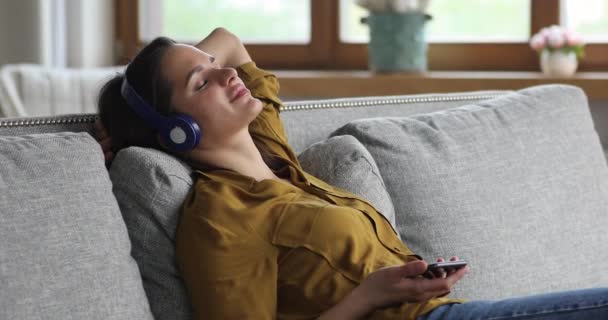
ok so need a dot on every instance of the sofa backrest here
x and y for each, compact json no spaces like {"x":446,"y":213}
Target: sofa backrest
{"x":306,"y":122}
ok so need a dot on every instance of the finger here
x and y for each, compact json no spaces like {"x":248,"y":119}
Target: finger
{"x":452,"y":270}
{"x":428,"y":289}
{"x":412,"y":269}
{"x":436,"y":287}
{"x":440,"y":273}
{"x":444,"y":294}
{"x":457,"y":275}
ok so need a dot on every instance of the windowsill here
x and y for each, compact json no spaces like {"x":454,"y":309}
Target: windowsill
{"x":327,"y":84}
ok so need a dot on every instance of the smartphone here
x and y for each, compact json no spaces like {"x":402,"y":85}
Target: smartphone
{"x":429,"y":273}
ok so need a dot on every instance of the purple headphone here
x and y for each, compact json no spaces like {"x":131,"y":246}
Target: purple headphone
{"x":178,"y":132}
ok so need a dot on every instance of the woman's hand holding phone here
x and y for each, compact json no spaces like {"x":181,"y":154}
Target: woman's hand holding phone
{"x":442,"y":268}
{"x":405,"y":283}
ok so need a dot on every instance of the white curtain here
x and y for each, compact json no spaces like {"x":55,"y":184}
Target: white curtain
{"x":58,"y":33}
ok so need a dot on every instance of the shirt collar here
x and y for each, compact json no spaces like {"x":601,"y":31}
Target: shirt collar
{"x":285,"y":169}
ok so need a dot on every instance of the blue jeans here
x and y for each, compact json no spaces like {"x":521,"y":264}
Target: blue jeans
{"x":578,"y":304}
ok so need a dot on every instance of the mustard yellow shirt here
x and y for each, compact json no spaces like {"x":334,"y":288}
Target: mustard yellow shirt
{"x":267,"y":249}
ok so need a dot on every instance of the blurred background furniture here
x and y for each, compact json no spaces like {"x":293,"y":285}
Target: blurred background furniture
{"x":36,"y":90}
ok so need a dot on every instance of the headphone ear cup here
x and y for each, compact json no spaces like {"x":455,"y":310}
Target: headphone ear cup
{"x":182,"y":134}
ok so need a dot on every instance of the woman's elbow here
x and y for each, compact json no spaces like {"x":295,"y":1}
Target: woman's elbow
{"x":224,"y":33}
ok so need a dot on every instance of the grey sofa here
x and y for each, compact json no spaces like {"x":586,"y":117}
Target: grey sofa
{"x":514,"y":182}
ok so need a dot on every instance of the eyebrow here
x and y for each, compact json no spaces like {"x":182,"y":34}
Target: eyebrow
{"x":196,"y":69}
{"x":192,"y":72}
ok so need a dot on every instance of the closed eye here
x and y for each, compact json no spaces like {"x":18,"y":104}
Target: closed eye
{"x":202,"y":85}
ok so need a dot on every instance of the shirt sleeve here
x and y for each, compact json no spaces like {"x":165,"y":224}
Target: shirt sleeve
{"x":267,"y":129}
{"x":228,"y":275}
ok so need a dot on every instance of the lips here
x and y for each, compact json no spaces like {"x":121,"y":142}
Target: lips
{"x":238,"y":91}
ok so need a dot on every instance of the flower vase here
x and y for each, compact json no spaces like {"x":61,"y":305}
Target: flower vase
{"x":397,"y":41}
{"x":558,"y":63}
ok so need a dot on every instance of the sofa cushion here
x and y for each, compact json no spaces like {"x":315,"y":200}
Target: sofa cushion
{"x":150,"y":187}
{"x":516,"y":185}
{"x":343,"y":162}
{"x":65,"y":252}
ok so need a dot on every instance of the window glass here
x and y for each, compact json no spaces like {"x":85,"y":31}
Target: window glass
{"x":454,"y":21}
{"x":588,"y":18}
{"x":255,"y":21}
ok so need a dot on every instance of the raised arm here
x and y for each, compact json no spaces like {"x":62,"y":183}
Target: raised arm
{"x":227,"y":48}
{"x":267,"y":129}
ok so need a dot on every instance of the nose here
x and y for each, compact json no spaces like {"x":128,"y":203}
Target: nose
{"x":226,"y":76}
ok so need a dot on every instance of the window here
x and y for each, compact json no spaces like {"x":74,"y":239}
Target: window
{"x":589,"y":20}
{"x":328,"y":34}
{"x":491,"y":21}
{"x":255,"y":21}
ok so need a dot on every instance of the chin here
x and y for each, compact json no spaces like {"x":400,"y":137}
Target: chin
{"x":256,"y":104}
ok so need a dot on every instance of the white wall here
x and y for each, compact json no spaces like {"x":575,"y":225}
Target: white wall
{"x":90,"y":29}
{"x":63,"y":33}
{"x":21,"y":31}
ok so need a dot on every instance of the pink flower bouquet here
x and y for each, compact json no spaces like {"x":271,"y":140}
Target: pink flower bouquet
{"x":555,"y":38}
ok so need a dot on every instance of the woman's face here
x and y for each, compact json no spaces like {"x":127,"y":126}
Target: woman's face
{"x":215,"y":97}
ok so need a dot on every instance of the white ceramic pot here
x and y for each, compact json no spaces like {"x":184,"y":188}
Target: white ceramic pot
{"x":558,"y":63}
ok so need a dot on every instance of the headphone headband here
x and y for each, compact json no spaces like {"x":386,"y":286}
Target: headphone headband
{"x":142,"y":108}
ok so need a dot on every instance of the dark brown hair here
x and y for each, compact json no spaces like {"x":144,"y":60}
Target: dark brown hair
{"x":144,"y":74}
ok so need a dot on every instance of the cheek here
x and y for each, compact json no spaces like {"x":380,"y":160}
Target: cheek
{"x":211,"y":98}
{"x":208,"y":103}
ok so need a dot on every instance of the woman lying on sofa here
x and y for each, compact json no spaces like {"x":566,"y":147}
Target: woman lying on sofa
{"x":258,"y":238}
